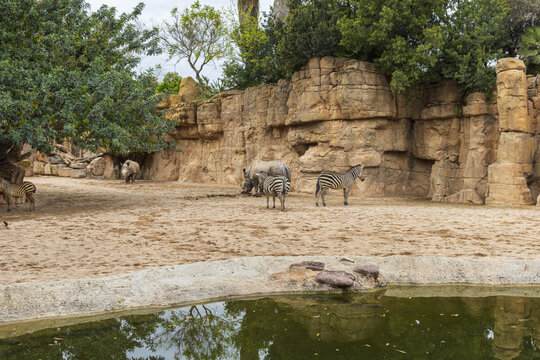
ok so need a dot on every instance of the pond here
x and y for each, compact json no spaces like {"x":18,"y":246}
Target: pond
{"x":302,"y":327}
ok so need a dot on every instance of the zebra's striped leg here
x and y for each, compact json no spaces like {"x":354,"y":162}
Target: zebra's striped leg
{"x":346,"y":196}
{"x":32,"y":204}
{"x":274,"y":198}
{"x":8,"y":200}
{"x":323,"y":192}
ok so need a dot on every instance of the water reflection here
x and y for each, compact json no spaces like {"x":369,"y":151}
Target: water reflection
{"x":303,"y":328}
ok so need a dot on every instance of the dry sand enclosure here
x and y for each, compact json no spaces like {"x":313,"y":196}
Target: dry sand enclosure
{"x":90,"y":228}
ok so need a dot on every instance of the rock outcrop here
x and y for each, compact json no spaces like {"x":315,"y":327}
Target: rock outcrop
{"x":509,"y":175}
{"x":335,"y":113}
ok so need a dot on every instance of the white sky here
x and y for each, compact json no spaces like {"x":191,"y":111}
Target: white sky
{"x":154,"y":12}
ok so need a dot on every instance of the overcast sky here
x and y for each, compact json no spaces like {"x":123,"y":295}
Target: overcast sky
{"x":155,"y":11}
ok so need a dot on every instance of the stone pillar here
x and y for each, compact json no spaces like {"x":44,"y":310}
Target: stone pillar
{"x":507,"y":178}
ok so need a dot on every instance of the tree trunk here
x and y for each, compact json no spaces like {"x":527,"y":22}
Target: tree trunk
{"x":9,"y":155}
{"x":248,"y":7}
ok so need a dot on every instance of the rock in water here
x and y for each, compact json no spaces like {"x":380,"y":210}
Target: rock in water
{"x":368,"y":271}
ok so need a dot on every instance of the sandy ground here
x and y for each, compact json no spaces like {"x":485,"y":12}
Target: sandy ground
{"x":90,"y":228}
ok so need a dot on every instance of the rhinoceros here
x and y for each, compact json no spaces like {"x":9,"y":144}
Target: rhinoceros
{"x":273,"y":168}
{"x":130,"y":170}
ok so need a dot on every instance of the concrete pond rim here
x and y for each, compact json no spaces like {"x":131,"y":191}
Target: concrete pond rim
{"x":57,"y":303}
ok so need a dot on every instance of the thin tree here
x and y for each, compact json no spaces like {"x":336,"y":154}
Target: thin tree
{"x":197,"y":34}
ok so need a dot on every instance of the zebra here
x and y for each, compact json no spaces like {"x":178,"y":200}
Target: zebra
{"x":334,"y":180}
{"x":16,"y":191}
{"x":276,"y":186}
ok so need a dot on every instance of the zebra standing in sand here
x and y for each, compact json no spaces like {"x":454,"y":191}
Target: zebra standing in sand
{"x":334,"y":180}
{"x":276,"y":186}
{"x":11,"y":191}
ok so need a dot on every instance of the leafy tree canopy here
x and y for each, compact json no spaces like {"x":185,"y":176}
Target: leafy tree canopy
{"x":67,"y":73}
{"x":530,"y":49}
{"x":170,"y":84}
{"x":254,"y":61}
{"x":411,"y":40}
{"x":197,"y":34}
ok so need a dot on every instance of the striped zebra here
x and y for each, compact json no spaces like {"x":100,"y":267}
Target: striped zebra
{"x":334,"y":180}
{"x":11,"y":191}
{"x":276,"y":186}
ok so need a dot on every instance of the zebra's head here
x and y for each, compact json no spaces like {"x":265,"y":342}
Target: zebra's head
{"x":3,"y":183}
{"x":359,"y":171}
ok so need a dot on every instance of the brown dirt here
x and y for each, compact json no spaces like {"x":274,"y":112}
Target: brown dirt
{"x":89,"y":228}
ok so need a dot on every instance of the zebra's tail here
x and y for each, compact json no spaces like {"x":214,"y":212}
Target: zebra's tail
{"x":288,"y":173}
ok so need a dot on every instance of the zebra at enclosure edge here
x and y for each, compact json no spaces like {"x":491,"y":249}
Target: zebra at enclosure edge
{"x":17,"y":191}
{"x":331,"y":180}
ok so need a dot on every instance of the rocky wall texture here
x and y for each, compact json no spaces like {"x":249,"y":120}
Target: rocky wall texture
{"x":335,"y":113}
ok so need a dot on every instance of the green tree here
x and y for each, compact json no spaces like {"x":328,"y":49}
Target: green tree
{"x":310,"y":29}
{"x":254,"y":61}
{"x":66,"y":73}
{"x":522,"y":14}
{"x":197,"y":34}
{"x":417,"y":40}
{"x":476,"y":38}
{"x":170,"y":84}
{"x":403,"y":36}
{"x":530,"y":49}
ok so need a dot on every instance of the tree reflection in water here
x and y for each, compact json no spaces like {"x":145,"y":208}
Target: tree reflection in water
{"x":300,"y":327}
{"x":197,"y":333}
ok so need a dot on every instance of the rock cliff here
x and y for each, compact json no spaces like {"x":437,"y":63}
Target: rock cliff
{"x":335,"y":113}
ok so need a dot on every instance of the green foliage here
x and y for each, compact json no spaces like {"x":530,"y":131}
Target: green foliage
{"x":428,"y":40}
{"x":66,"y":73}
{"x":476,"y":38}
{"x":170,"y":84}
{"x":311,"y":28}
{"x":210,"y":88}
{"x":403,"y":36}
{"x":254,"y":62}
{"x":522,"y":15}
{"x":412,"y":40}
{"x":530,"y":49}
{"x":197,"y":34}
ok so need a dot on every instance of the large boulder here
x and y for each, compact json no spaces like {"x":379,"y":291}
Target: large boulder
{"x":188,"y":91}
{"x":97,"y":166}
{"x":111,"y":170}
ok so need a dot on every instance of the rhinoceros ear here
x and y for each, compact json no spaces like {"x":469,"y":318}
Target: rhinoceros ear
{"x":121,"y":164}
{"x":245,"y":172}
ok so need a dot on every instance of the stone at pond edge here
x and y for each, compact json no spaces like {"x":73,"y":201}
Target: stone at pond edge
{"x":311,"y":265}
{"x":368,"y":270}
{"x":337,"y":279}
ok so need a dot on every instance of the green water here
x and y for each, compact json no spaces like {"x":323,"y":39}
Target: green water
{"x":302,"y":327}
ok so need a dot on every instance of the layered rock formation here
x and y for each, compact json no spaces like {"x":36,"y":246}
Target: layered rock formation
{"x":335,"y":113}
{"x":513,"y":172}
